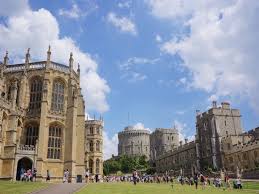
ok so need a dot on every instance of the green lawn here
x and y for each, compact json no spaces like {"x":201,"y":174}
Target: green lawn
{"x":8,"y":187}
{"x":149,"y":188}
{"x":251,"y":185}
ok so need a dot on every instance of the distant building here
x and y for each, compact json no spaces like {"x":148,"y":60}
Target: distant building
{"x":94,"y":146}
{"x":134,"y":142}
{"x":220,"y":144}
{"x":161,"y":141}
{"x":211,"y":127}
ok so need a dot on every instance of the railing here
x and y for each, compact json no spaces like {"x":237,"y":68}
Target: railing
{"x":37,"y":65}
{"x":59,"y":67}
{"x":26,"y":149}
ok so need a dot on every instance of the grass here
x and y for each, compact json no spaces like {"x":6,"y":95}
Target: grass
{"x":8,"y":187}
{"x":149,"y":188}
{"x":251,"y":185}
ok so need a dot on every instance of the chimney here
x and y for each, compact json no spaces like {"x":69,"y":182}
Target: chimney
{"x":214,"y":104}
{"x":186,"y":140}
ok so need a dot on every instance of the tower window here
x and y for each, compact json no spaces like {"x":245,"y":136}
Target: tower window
{"x":97,"y":163}
{"x":32,"y":134}
{"x":35,"y":95}
{"x":54,"y":143}
{"x":57,"y":103}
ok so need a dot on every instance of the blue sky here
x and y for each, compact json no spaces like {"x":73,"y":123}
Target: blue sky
{"x":156,"y":61}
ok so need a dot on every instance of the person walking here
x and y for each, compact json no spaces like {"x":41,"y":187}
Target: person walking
{"x":196,"y":180}
{"x":135,"y":177}
{"x":87,"y":175}
{"x":202,"y":181}
{"x":34,"y":174}
{"x":48,"y":176}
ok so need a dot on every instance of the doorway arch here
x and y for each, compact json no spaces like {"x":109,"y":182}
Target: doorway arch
{"x":25,"y":164}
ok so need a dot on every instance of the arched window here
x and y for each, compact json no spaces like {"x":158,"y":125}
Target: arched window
{"x":91,"y":130}
{"x":17,"y":97}
{"x":91,"y":146}
{"x":98,"y":146}
{"x":91,"y":163}
{"x":32,"y":132}
{"x":54,"y":143}
{"x":35,"y":95}
{"x":97,"y":163}
{"x":57,"y":103}
{"x":97,"y":130}
{"x":9,"y":92}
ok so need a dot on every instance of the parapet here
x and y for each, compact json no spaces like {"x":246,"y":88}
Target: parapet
{"x":94,"y":122}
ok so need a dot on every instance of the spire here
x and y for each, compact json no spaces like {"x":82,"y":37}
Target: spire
{"x":78,"y":69}
{"x":27,"y":57}
{"x":6,"y":59}
{"x":71,"y":61}
{"x":48,"y":54}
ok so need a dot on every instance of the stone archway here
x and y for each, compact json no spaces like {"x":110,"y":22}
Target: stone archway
{"x":25,"y":164}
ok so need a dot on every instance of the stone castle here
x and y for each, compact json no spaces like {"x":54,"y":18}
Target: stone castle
{"x":137,"y":142}
{"x":42,"y":121}
{"x":220,"y":144}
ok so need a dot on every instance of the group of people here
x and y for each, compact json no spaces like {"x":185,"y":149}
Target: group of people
{"x":28,"y":175}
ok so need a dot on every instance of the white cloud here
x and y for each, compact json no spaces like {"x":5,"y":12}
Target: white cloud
{"x":126,"y":4}
{"x":124,"y":24}
{"x":140,"y":126}
{"x":130,"y":68}
{"x":38,"y":29}
{"x":182,"y":129}
{"x":74,"y":12}
{"x":13,"y":7}
{"x":110,"y":145}
{"x":158,"y":38}
{"x":86,"y":8}
{"x":221,"y":51}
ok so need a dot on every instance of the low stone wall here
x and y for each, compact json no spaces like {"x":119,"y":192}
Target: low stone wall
{"x":253,"y":174}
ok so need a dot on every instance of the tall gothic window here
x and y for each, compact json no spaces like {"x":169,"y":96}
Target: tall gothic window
{"x":91,"y":163}
{"x":54,"y":143}
{"x":98,"y":146}
{"x":57,"y":96}
{"x":32,"y":132}
{"x":97,"y":163}
{"x":35,"y":94}
{"x":91,"y":130}
{"x":91,"y":146}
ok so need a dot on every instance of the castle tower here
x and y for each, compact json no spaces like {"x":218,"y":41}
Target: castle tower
{"x":134,"y":142}
{"x":94,"y":146}
{"x":211,"y":127}
{"x":161,"y":141}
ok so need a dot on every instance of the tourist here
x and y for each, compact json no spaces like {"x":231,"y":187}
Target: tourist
{"x":34,"y":174}
{"x":22,"y":174}
{"x":135,"y":177}
{"x":87,"y":176}
{"x":196,"y":179}
{"x":67,"y":176}
{"x":29,"y":175}
{"x":48,"y":176}
{"x":202,"y":178}
{"x":96,"y":178}
{"x":239,"y":184}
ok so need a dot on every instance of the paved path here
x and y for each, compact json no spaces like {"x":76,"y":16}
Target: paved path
{"x":61,"y":188}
